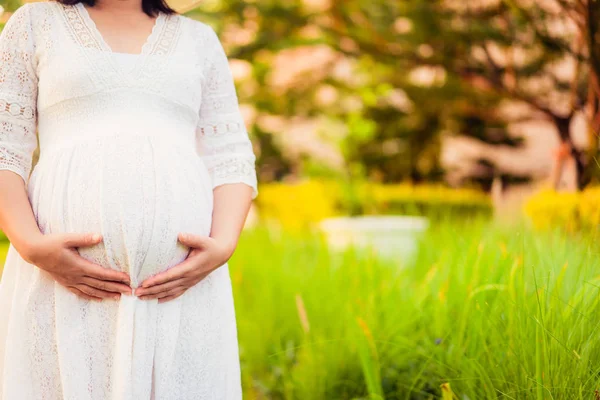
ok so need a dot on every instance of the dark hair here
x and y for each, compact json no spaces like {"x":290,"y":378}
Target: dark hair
{"x":150,"y":7}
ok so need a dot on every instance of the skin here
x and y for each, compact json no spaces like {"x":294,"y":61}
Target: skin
{"x":231,"y":205}
{"x":124,"y":27}
{"x":122,"y":24}
{"x":55,"y":253}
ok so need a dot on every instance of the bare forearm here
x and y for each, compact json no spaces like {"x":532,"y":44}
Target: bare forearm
{"x":17,"y":220}
{"x":231,"y":205}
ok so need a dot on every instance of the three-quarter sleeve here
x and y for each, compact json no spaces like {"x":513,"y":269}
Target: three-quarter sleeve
{"x":18,"y":94}
{"x":222,"y":137}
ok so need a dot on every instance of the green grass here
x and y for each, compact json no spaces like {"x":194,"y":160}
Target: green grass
{"x":494,"y":313}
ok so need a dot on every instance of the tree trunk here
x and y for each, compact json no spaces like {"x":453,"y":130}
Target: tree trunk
{"x":567,"y":154}
{"x":593,"y":46}
{"x":593,"y":38}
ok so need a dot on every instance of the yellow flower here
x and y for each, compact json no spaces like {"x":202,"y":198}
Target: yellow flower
{"x":549,"y":209}
{"x":298,"y":206}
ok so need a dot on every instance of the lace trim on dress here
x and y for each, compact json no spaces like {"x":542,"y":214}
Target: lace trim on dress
{"x":83,"y":33}
{"x":18,"y":94}
{"x":223,"y":140}
{"x":16,"y":110}
{"x":232,"y":167}
{"x":219,"y":129}
{"x":164,"y":43}
{"x":235,"y":170}
{"x":161,"y":41}
{"x":241,"y":148}
{"x":13,"y":159}
{"x":225,"y":104}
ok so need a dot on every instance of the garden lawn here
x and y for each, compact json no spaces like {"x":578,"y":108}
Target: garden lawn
{"x":485,"y":311}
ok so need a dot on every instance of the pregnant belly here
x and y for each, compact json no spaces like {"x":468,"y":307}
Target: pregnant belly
{"x":138,"y":192}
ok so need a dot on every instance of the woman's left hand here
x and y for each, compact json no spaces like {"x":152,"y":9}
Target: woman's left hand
{"x":206,"y":255}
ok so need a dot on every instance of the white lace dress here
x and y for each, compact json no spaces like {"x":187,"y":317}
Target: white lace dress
{"x":131,"y":146}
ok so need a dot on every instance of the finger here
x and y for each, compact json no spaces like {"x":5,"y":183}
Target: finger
{"x":177,"y":272}
{"x":81,"y":239}
{"x":149,"y":293}
{"x":174,"y":273}
{"x":169,"y":292}
{"x":159,"y":288}
{"x":168,"y":298}
{"x":107,"y":286}
{"x":84,"y":295}
{"x":194,"y":241}
{"x":97,"y":271}
{"x":97,"y":292}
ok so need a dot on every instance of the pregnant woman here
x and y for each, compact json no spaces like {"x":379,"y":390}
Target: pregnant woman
{"x":116,"y":283}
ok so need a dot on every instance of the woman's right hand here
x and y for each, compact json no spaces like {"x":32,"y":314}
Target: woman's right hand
{"x":56,"y":254}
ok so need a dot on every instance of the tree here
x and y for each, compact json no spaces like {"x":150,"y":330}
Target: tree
{"x":511,"y":49}
{"x":410,"y":39}
{"x":387,"y":126}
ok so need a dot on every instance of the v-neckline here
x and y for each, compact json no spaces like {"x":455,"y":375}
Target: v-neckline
{"x":94,"y":28}
{"x":159,"y":23}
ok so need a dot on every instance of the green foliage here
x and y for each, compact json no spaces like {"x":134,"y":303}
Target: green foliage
{"x":301,"y":205}
{"x":494,"y":313}
{"x":279,"y":28}
{"x":433,"y":201}
{"x":10,"y":5}
{"x":378,"y":44}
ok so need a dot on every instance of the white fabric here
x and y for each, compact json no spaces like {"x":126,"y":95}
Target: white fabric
{"x":133,"y":155}
{"x":126,"y":61}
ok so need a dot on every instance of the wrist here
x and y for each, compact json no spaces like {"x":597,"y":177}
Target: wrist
{"x":228,"y":247}
{"x":29,"y":249}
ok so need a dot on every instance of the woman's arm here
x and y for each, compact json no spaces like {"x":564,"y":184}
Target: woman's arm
{"x":16,"y":216}
{"x":18,"y":141}
{"x":55,"y":254}
{"x":225,"y":148}
{"x":232,"y":204}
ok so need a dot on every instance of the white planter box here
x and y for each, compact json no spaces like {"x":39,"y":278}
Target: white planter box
{"x":389,"y":236}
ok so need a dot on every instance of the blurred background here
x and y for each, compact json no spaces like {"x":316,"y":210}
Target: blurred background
{"x":428,"y":205}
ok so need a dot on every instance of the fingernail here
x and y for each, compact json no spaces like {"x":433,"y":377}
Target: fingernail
{"x":117,"y":297}
{"x":96,"y":237}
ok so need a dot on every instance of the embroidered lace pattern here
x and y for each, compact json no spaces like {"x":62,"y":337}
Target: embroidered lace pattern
{"x":132,"y":154}
{"x":223,"y":138}
{"x":18,"y":94}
